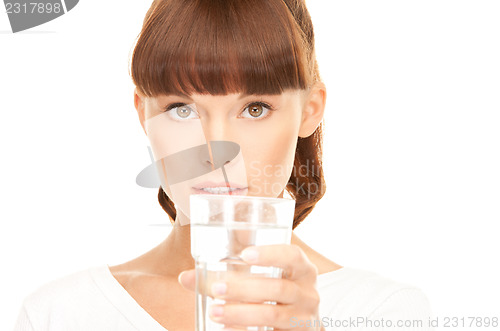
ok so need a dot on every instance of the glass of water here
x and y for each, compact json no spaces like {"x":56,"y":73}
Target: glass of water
{"x":222,"y":226}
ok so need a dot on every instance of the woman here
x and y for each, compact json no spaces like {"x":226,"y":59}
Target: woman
{"x":236,"y":71}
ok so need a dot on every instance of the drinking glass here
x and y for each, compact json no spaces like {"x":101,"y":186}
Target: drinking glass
{"x":221,"y":227}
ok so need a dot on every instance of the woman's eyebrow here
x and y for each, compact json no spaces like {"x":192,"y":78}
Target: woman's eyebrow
{"x":164,"y":98}
{"x":182,"y":95}
{"x":244,"y":95}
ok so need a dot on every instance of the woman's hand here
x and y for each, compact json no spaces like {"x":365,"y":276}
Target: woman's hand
{"x":295,"y":294}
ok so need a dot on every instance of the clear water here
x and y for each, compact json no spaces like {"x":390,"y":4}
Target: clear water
{"x":216,"y":249}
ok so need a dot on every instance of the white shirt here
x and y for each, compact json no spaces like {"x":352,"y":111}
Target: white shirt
{"x":94,"y":300}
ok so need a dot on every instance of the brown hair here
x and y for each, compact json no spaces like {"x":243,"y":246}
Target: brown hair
{"x":220,"y":47}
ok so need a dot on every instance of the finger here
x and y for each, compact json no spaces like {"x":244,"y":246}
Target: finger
{"x":187,"y":279}
{"x":291,"y":258}
{"x":257,"y":290}
{"x":207,"y":278}
{"x":277,"y":316}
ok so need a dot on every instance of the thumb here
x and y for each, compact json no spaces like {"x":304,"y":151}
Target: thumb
{"x":187,"y":279}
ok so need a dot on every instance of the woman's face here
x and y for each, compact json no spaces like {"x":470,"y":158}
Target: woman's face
{"x":231,"y":144}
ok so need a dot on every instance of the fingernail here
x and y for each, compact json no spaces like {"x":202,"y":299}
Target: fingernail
{"x":216,"y":311}
{"x":250,"y":254}
{"x":219,"y":288}
{"x":180,"y":276}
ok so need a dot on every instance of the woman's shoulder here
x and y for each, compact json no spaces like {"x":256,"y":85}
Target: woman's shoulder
{"x":65,"y":286}
{"x":65,"y":293}
{"x":347,"y":279}
{"x":351,"y":290}
{"x":88,"y":299}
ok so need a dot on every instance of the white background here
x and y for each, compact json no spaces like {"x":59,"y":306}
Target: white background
{"x":411,"y":148}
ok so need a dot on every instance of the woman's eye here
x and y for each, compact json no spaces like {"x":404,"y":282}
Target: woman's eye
{"x":256,"y":109}
{"x":180,"y":111}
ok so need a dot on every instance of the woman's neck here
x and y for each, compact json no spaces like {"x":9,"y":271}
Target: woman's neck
{"x":175,"y":251}
{"x":173,"y":255}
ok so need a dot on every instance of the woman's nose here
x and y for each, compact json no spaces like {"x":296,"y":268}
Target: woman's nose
{"x":218,"y":153}
{"x":199,"y":160}
{"x":216,"y":128}
{"x":220,"y":142}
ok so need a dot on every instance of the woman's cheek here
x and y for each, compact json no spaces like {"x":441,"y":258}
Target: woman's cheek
{"x":269,"y":167}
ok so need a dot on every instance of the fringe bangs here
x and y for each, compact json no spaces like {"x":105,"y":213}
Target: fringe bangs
{"x":220,"y":47}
